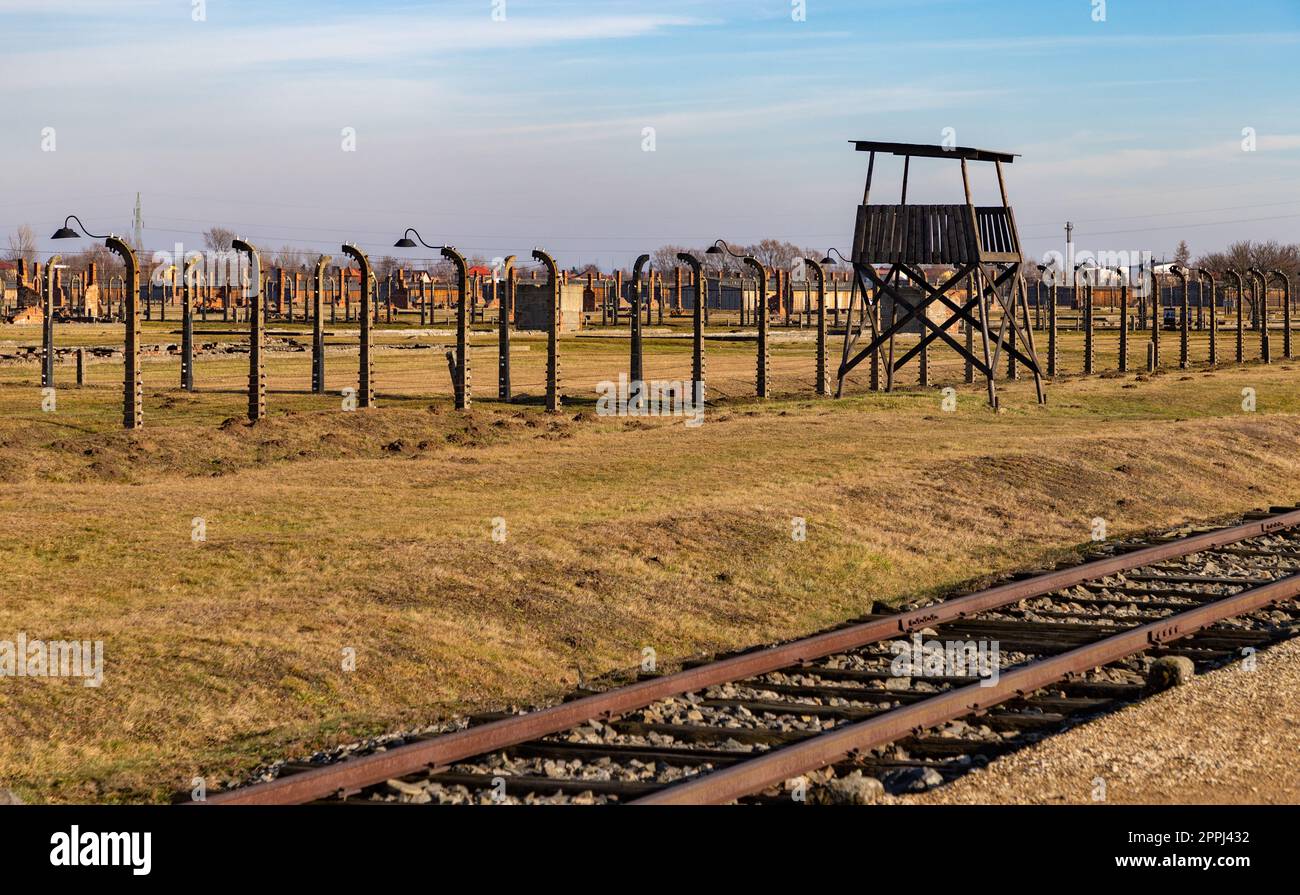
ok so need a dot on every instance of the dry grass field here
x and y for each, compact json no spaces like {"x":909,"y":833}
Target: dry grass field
{"x":373,"y":530}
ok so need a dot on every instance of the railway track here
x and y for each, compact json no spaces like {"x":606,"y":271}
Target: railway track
{"x":1058,"y":647}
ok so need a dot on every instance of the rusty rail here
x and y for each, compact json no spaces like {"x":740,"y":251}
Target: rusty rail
{"x":355,"y":774}
{"x":719,"y":787}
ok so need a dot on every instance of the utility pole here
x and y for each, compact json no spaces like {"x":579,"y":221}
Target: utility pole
{"x":137,"y":230}
{"x":137,"y":225}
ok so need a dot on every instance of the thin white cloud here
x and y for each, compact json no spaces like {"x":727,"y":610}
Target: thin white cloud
{"x":227,"y":50}
{"x":60,"y":8}
{"x":1129,"y":162}
{"x":985,"y":45}
{"x":728,"y":115}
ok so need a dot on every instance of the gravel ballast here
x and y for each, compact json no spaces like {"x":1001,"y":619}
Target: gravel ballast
{"x":1231,"y":736}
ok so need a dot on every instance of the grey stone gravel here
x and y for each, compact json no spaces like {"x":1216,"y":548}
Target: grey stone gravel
{"x":854,"y":789}
{"x":902,"y":780}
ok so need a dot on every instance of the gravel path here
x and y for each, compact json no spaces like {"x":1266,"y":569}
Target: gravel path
{"x":1231,"y":736}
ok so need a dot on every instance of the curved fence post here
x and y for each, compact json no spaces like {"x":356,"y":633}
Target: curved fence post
{"x":256,"y":318}
{"x":189,"y":287}
{"x":1157,"y":321}
{"x":460,"y":364}
{"x":636,"y":366}
{"x":1241,"y":322}
{"x":553,"y":333}
{"x":1184,"y":321}
{"x":318,"y":326}
{"x":618,"y":296}
{"x":821,"y":386}
{"x":132,"y":387}
{"x":1089,"y":349}
{"x":1213,"y":321}
{"x":1051,"y":331}
{"x":1261,"y":312}
{"x":1123,"y":322}
{"x":505,"y":319}
{"x":761,"y":362}
{"x":697,"y":325}
{"x":47,"y":323}
{"x":1286,"y":311}
{"x":365,"y":372}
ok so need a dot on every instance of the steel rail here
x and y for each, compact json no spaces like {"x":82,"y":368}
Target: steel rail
{"x":729,"y":784}
{"x":354,"y":774}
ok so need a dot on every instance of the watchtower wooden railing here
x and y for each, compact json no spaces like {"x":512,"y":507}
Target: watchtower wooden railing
{"x":935,"y":234}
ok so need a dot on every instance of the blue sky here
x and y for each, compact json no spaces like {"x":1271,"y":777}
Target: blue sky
{"x":502,"y":135}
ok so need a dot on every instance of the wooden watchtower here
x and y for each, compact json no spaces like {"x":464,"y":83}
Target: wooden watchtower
{"x":982,"y":247}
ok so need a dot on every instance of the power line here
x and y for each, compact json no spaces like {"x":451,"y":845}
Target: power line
{"x":1163,"y":214}
{"x":1280,"y":217}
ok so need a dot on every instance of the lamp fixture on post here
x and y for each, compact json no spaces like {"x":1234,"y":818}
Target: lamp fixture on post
{"x":760,"y":372}
{"x":459,"y":363}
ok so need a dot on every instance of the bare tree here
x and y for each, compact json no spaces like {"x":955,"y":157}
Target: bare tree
{"x":1182,"y":254}
{"x":291,"y":258}
{"x":1245,"y":254}
{"x":22,"y":245}
{"x":106,"y":262}
{"x":218,"y":239}
{"x":775,"y":254}
{"x":441,"y":270}
{"x":1273,"y":255}
{"x":665,"y":260}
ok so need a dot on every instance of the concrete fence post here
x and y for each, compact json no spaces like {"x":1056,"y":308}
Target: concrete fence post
{"x":256,"y":338}
{"x":1285,"y":280}
{"x":821,"y":386}
{"x":1157,"y":321}
{"x":365,"y":378}
{"x":460,"y":376}
{"x":553,"y":332}
{"x":505,"y":319}
{"x":761,"y":358}
{"x":1241,"y":320}
{"x":636,"y":371}
{"x":189,"y":282}
{"x":318,"y":326}
{"x":47,"y":321}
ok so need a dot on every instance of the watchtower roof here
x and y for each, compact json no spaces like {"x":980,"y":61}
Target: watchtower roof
{"x":927,"y":150}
